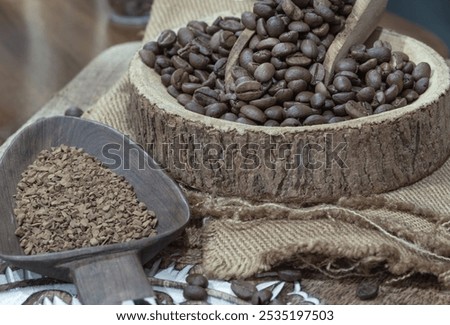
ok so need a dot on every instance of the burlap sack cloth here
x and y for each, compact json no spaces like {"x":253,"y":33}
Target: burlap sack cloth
{"x":405,"y":232}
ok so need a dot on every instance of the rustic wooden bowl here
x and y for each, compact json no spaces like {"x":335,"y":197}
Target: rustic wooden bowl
{"x":365,"y":156}
{"x":103,"y":274}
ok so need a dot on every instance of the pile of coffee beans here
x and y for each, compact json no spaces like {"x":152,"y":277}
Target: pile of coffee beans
{"x":66,"y":199}
{"x":279,"y":79}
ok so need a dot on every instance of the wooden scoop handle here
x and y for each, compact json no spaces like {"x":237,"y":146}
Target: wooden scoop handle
{"x":110,"y":279}
{"x":359,"y":25}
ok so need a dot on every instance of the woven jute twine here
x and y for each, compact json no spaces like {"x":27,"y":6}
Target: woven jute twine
{"x":403,"y":233}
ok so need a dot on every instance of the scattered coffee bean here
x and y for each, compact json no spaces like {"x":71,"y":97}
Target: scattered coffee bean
{"x":243,"y":289}
{"x":290,"y":275}
{"x":74,"y":111}
{"x":194,"y":292}
{"x":197,"y":280}
{"x":262,"y":297}
{"x":367,"y":290}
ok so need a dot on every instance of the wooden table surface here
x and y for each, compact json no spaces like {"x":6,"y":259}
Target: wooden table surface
{"x":45,"y":43}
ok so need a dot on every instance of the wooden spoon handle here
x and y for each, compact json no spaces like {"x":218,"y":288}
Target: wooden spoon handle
{"x":110,"y":279}
{"x":359,"y":25}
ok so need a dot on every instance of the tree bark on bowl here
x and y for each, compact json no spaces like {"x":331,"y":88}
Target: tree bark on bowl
{"x":308,"y":164}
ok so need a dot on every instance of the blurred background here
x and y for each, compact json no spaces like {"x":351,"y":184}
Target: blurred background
{"x":45,"y":43}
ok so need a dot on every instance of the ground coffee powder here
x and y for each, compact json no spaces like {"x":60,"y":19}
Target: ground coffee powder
{"x":67,"y":199}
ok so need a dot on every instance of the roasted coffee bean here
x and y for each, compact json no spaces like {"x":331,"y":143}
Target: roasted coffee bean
{"x":291,"y":10}
{"x":245,"y":58}
{"x":421,"y":85}
{"x":350,"y":75}
{"x":410,"y":95}
{"x":301,"y":3}
{"x":216,"y":109}
{"x":296,"y":73}
{"x":197,"y":280}
{"x":167,"y":38}
{"x":322,"y":89}
{"x":229,"y":117}
{"x":339,"y":110}
{"x":366,"y":94}
{"x":254,"y":41}
{"x":299,"y":111}
{"x":252,"y":66}
{"x":179,"y":77}
{"x":253,"y":113}
{"x":249,"y":20}
{"x":309,"y":48}
{"x":398,"y":60}
{"x":264,"y":102}
{"x":226,"y":40}
{"x":317,"y":73}
{"x":386,"y":69}
{"x":289,"y":122}
{"x":211,"y":81}
{"x":391,"y":93}
{"x":148,"y":57}
{"x":262,"y":297}
{"x":322,"y":31}
{"x":356,"y":110}
{"x":161,"y":62}
{"x":379,"y":99}
{"x":276,"y":113}
{"x":422,"y":70}
{"x":277,"y":86}
{"x":313,"y":37}
{"x":231,"y":25}
{"x":298,"y":86}
{"x":244,"y":120}
{"x":328,"y":114}
{"x":180,"y":63}
{"x":347,"y":64}
{"x":409,"y":67}
{"x":322,"y":52}
{"x":206,"y":96}
{"x":313,"y":19}
{"x":327,"y":40}
{"x":399,"y":102}
{"x":263,"y":10}
{"x":173,"y":91}
{"x":342,"y":84}
{"x":261,"y":27}
{"x":248,"y":90}
{"x":183,"y":99}
{"x":153,"y":47}
{"x":198,"y":61}
{"x":243,"y":289}
{"x":262,"y":56}
{"x":408,"y":81}
{"x":289,"y":37}
{"x":272,"y":123}
{"x":395,"y":79}
{"x":238,"y":72}
{"x":336,"y":119}
{"x":267,"y":43}
{"x":264,"y":72}
{"x":329,"y":104}
{"x":74,"y":111}
{"x":358,"y":52}
{"x":168,"y":70}
{"x":368,"y":65}
{"x":367,"y":289}
{"x":275,"y":26}
{"x":284,"y":95}
{"x":382,"y":54}
{"x":325,"y":12}
{"x":381,"y":43}
{"x":373,"y":79}
{"x":318,"y":100}
{"x":196,"y":25}
{"x":304,"y":97}
{"x":185,"y":36}
{"x":383,"y":108}
{"x":278,"y":64}
{"x":193,"y":292}
{"x":299,"y":27}
{"x":342,"y":98}
{"x":195,"y":107}
{"x":314,"y":120}
{"x":282,"y":50}
{"x":298,"y":59}
{"x":220,"y":66}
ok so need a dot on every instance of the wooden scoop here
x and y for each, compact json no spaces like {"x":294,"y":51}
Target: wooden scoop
{"x":106,"y":274}
{"x":359,"y":26}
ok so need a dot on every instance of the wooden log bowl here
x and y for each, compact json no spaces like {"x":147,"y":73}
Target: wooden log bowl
{"x":364,"y":156}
